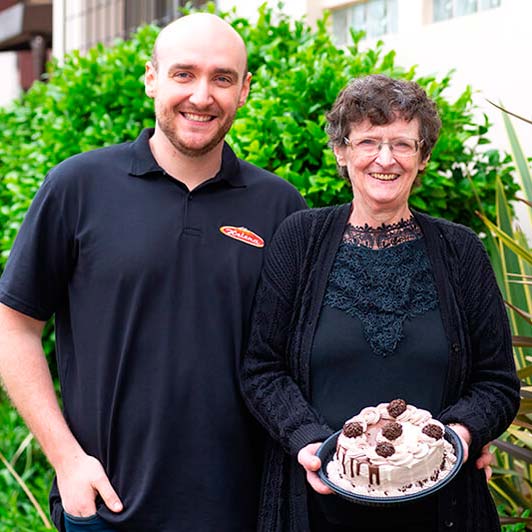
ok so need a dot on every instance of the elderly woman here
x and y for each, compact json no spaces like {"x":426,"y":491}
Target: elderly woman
{"x":369,"y":301}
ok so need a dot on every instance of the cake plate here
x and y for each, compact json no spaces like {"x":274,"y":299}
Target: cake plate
{"x":326,"y":452}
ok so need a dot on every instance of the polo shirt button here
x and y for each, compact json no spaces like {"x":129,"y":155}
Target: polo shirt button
{"x":448,"y":524}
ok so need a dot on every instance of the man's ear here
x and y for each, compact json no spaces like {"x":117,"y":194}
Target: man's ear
{"x":150,"y":80}
{"x":244,"y":91}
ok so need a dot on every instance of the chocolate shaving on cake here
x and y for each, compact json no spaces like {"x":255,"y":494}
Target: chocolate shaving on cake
{"x":392,"y":430}
{"x":434,"y":431}
{"x":384,"y":449}
{"x":435,"y":476}
{"x":396,"y":407}
{"x":353,"y":429}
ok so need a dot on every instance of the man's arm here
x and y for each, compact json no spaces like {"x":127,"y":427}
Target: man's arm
{"x":26,"y":377}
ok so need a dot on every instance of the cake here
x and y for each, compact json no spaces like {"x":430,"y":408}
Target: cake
{"x":391,"y":449}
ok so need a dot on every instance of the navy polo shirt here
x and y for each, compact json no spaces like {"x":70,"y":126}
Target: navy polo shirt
{"x":151,"y":286}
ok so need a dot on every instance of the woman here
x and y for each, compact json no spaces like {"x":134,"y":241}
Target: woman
{"x":363,"y":303}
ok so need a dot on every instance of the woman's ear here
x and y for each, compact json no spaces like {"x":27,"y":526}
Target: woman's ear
{"x":423,"y":164}
{"x":339,"y":152}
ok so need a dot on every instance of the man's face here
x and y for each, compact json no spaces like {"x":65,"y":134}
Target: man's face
{"x":198,"y":86}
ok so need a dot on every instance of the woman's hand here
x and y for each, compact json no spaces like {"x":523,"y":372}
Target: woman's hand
{"x":484,"y":461}
{"x":465,"y":437}
{"x":311,"y":463}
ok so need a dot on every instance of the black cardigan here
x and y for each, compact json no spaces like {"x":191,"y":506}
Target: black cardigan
{"x":481,"y":392}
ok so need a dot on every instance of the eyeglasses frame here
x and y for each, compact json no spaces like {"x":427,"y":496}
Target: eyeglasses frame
{"x":380,"y":144}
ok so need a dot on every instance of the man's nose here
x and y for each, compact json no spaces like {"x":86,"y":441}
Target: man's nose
{"x":201,"y":94}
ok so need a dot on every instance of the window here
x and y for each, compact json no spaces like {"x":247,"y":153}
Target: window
{"x":375,"y":17}
{"x":446,"y":9}
{"x":88,"y":22}
{"x":159,"y":12}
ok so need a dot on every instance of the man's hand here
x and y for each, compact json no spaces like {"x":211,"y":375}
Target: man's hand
{"x":311,"y":463}
{"x":484,"y":461}
{"x":80,"y":480}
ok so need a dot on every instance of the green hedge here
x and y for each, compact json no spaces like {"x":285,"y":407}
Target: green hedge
{"x":98,"y":99}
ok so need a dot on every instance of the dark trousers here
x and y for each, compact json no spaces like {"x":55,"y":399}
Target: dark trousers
{"x":94,"y":523}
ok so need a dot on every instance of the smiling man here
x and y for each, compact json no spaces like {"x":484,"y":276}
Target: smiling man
{"x":148,"y":255}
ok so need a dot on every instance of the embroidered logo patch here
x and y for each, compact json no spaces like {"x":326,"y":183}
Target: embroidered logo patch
{"x":243,"y":234}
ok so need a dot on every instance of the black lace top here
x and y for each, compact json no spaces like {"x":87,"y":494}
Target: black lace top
{"x":383,"y":277}
{"x":384,"y":236}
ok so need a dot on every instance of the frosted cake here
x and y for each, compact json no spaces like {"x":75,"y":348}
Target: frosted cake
{"x":391,"y":449}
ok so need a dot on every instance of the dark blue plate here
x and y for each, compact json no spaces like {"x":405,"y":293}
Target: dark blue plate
{"x":326,"y":452}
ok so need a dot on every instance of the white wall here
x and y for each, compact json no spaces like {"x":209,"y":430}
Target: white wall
{"x":10,"y":86}
{"x":489,"y":50}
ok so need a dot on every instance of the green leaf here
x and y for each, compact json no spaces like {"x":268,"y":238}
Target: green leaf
{"x":524,"y":253}
{"x":518,"y":155}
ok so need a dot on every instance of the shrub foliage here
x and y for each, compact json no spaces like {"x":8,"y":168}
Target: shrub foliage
{"x":98,"y":99}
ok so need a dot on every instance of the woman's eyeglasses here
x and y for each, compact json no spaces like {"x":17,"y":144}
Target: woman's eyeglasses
{"x":399,"y":147}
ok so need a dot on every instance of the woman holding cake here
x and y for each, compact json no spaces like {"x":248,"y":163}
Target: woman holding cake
{"x":363,"y":303}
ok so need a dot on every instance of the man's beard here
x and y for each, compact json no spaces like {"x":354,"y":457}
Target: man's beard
{"x":165,"y":120}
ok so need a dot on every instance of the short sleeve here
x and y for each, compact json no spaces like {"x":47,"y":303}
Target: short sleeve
{"x":38,"y":268}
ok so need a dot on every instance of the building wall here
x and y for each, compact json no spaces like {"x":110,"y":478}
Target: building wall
{"x":10,"y":86}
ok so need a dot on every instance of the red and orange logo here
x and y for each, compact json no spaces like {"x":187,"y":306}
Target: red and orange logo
{"x":243,"y":234}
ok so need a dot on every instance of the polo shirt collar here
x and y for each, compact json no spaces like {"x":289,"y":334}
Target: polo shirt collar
{"x":144,"y":163}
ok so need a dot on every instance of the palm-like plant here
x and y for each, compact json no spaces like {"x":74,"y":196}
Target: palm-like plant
{"x":511,"y":255}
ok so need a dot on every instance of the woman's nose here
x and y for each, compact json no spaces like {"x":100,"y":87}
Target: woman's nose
{"x":385,"y":155}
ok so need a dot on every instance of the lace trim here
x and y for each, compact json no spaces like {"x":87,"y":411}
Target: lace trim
{"x":384,"y":236}
{"x":382,"y":289}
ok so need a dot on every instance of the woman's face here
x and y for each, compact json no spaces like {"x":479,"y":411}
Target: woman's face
{"x":381,"y":182}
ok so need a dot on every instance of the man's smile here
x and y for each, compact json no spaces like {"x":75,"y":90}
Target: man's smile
{"x":197,"y":118}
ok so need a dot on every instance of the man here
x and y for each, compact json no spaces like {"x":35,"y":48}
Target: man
{"x":148,"y":254}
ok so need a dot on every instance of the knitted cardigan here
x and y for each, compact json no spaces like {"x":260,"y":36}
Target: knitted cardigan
{"x":481,"y":391}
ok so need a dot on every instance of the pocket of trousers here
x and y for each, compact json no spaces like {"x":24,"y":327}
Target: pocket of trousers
{"x":77,"y":522}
